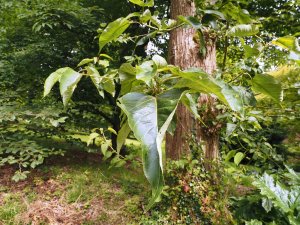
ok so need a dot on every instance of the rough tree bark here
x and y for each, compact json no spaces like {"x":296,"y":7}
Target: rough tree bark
{"x":184,"y":52}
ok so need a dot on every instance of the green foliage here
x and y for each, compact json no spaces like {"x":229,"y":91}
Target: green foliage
{"x":243,"y":30}
{"x":139,"y":85}
{"x":276,"y":203}
{"x":113,"y":31}
{"x":68,"y":80}
{"x":267,"y":85}
{"x":25,"y":154}
{"x":193,"y":194}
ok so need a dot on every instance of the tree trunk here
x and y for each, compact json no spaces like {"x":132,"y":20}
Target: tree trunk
{"x":184,"y":52}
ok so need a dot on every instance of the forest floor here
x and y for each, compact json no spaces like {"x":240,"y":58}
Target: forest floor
{"x":78,"y":188}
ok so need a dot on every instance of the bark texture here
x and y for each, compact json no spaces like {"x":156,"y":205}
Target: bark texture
{"x":184,"y":52}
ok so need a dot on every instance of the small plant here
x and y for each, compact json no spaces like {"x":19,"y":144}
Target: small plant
{"x":25,"y":154}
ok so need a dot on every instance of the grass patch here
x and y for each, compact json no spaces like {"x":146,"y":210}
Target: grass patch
{"x":11,"y":206}
{"x":75,"y":189}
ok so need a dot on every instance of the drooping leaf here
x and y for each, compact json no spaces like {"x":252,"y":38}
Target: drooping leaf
{"x":109,"y":85}
{"x":191,"y":21}
{"x":238,"y":158}
{"x":288,"y":42}
{"x":191,"y":104}
{"x":243,"y":30}
{"x":85,"y":61}
{"x":94,"y":75}
{"x":146,"y":72}
{"x":68,"y":82}
{"x":149,"y":119}
{"x":215,"y":13}
{"x":198,"y":80}
{"x":159,"y":61}
{"x":230,"y":128}
{"x":141,"y":111}
{"x":246,"y":95}
{"x":53,"y":78}
{"x":230,"y":155}
{"x":113,"y":31}
{"x":166,"y":103}
{"x":269,"y":188}
{"x":146,"y":16}
{"x":146,"y":3}
{"x":122,"y":135}
{"x":267,"y":204}
{"x":146,"y":38}
{"x":267,"y":85}
{"x":127,"y":74}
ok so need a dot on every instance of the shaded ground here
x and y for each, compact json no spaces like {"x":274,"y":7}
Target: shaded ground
{"x":75,"y":189}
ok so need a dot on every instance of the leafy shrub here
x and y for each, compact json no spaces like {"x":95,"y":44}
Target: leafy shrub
{"x":277,"y":201}
{"x":194,"y":194}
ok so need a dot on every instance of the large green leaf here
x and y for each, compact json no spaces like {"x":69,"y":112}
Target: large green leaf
{"x":146,"y":3}
{"x":281,"y":197}
{"x":215,"y":13}
{"x":122,"y":135}
{"x":149,"y":118}
{"x":113,"y":31}
{"x":141,"y":111}
{"x":288,"y":42}
{"x":52,"y":79}
{"x":243,"y":30}
{"x":267,"y":85}
{"x":68,"y":82}
{"x":198,"y":80}
{"x":127,"y":74}
{"x":246,"y":95}
{"x":159,"y":61}
{"x":167,"y":103}
{"x":192,"y":21}
{"x":191,"y":104}
{"x":146,"y":72}
{"x":238,"y":158}
{"x":68,"y":79}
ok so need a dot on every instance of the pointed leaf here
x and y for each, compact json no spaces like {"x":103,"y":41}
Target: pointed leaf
{"x":159,"y":61}
{"x":95,"y":76}
{"x":243,"y":30}
{"x":200,"y":81}
{"x":113,"y":31}
{"x":141,"y":111}
{"x":191,"y":104}
{"x":146,"y":3}
{"x":127,"y":74}
{"x":85,"y":61}
{"x":52,"y":79}
{"x":146,"y":71}
{"x":288,"y":42}
{"x":192,"y":21}
{"x":230,"y":128}
{"x":268,"y":86}
{"x":269,"y":188}
{"x":122,"y":135}
{"x":68,"y":82}
{"x":238,"y":158}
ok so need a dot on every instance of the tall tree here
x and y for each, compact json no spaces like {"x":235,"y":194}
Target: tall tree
{"x":184,"y":51}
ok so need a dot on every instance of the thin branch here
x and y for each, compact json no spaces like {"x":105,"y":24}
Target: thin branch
{"x":225,"y":48}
